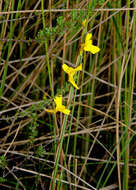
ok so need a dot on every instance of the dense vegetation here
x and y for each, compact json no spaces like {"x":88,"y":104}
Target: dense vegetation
{"x":67,"y":108}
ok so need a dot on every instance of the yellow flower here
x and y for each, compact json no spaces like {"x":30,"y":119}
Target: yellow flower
{"x":84,"y":22}
{"x":71,"y":72}
{"x":59,"y":106}
{"x":88,"y":46}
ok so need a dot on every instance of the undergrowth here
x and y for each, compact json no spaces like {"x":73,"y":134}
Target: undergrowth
{"x":67,"y":94}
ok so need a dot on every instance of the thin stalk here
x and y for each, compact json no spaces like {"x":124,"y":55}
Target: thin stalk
{"x":60,"y":145}
{"x":81,"y":90}
{"x":72,"y":112}
{"x":126,"y":137}
{"x":46,"y":49}
{"x":119,"y":80}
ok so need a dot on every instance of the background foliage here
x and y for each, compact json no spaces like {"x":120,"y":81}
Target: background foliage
{"x":93,"y":147}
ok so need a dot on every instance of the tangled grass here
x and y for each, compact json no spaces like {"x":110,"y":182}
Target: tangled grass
{"x":93,"y":146}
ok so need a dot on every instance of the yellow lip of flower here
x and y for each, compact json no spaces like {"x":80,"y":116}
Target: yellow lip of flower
{"x":88,"y":46}
{"x":59,"y":106}
{"x":71,"y":72}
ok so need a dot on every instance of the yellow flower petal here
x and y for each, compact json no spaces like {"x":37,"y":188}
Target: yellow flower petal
{"x":71,"y":80}
{"x":88,"y":37}
{"x":63,"y":110}
{"x":79,"y":68}
{"x":88,"y":46}
{"x":93,"y":49}
{"x":66,"y":68}
{"x":71,"y":72}
{"x":58,"y":101}
{"x":59,"y":106}
{"x":66,"y":111}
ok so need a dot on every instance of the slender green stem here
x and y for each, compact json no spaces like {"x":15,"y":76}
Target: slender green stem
{"x":126,"y":154}
{"x":60,"y":146}
{"x":46,"y":49}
